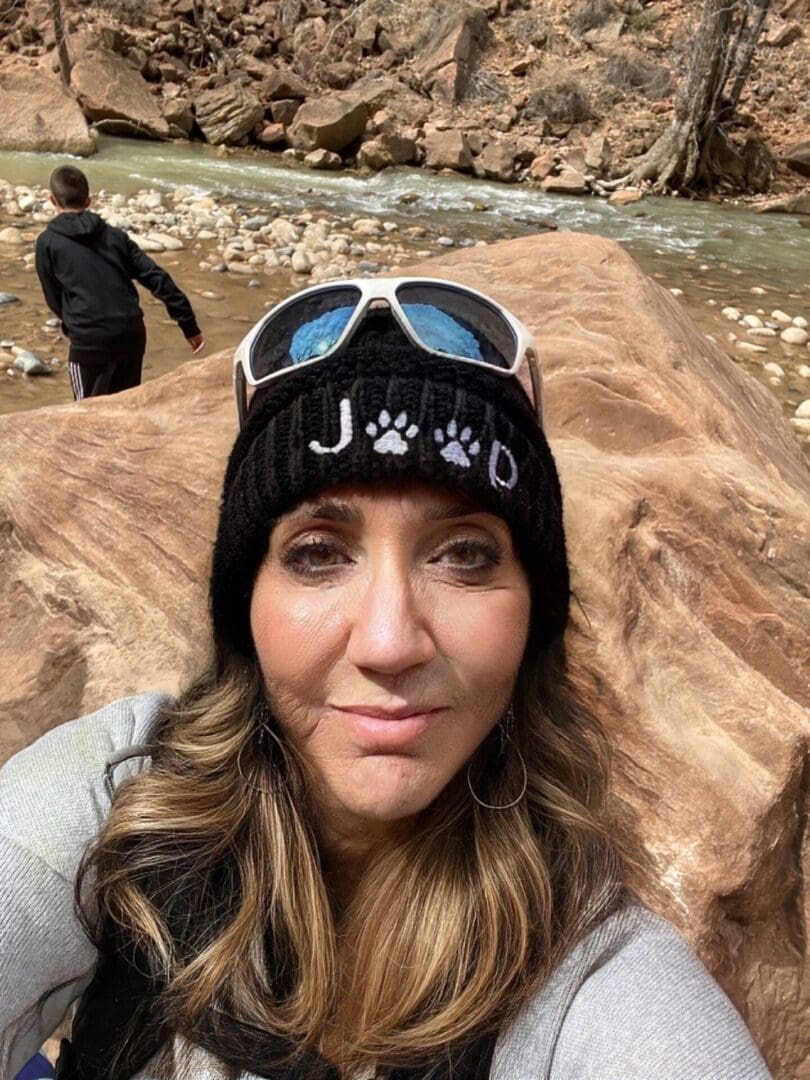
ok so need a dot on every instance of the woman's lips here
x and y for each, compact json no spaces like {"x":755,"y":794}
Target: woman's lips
{"x":388,"y":730}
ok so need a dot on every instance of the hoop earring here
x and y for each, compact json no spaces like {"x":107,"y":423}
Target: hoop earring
{"x":506,"y":726}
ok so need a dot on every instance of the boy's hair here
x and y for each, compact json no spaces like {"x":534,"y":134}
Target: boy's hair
{"x":69,"y":187}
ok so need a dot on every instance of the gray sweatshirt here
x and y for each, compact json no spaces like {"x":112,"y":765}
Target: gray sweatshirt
{"x":630,"y":1002}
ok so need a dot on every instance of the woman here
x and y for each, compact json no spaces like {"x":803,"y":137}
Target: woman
{"x":372,"y":840}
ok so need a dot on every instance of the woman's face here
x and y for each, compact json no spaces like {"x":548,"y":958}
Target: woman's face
{"x":389,"y":624}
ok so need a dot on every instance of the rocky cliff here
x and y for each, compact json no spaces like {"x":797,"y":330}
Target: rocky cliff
{"x":564,"y":93}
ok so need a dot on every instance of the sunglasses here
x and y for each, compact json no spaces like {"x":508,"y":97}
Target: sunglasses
{"x":441,"y":318}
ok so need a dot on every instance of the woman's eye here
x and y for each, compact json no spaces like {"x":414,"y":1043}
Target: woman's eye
{"x":314,"y":557}
{"x":469,"y":555}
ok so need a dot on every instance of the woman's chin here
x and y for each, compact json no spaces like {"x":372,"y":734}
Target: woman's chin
{"x":391,"y":789}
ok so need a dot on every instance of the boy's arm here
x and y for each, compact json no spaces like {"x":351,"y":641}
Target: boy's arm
{"x":47,"y":279}
{"x":160,"y":284}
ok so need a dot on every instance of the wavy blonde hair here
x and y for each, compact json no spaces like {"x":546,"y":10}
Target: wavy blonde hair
{"x":209,"y":865}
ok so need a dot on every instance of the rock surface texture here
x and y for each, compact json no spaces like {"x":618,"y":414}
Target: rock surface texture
{"x":688,"y":523}
{"x":330,"y":123}
{"x":38,"y":114}
{"x":115,"y":95}
{"x":228,"y":115}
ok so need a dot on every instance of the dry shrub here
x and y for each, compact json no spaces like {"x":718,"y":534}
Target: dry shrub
{"x":563,"y":100}
{"x":530,"y":28}
{"x":642,"y":22}
{"x":592,"y":14}
{"x":131,"y":12}
{"x":628,"y":70}
{"x":487,"y":87}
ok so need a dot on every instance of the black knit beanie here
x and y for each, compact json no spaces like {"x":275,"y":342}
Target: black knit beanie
{"x":385,"y":410}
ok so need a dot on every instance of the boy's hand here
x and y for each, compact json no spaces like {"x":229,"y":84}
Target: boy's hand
{"x":196,"y":343}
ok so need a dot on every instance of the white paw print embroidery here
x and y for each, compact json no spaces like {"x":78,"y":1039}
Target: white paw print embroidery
{"x":460,"y":449}
{"x":389,"y":439}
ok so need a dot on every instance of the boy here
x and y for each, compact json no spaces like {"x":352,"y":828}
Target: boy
{"x":86,"y":269}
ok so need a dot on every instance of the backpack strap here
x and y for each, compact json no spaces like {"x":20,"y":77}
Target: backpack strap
{"x":115,"y":1031}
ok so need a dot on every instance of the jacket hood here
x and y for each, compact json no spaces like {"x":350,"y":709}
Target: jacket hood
{"x":77,"y":226}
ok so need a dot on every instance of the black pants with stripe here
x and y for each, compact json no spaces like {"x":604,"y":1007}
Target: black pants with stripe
{"x":94,"y":372}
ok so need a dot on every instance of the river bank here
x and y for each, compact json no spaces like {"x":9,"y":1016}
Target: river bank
{"x":238,"y":235}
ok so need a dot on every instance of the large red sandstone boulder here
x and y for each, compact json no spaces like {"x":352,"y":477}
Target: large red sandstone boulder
{"x":688,"y":519}
{"x":39,"y":114}
{"x":330,"y":122}
{"x":116,"y":96}
{"x":445,"y":64}
{"x":227,"y":115}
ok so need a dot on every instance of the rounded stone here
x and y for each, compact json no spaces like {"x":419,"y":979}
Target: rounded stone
{"x":301,"y":261}
{"x":795,"y":335}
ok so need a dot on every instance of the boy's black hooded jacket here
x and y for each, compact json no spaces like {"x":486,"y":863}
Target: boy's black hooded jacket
{"x":87,"y":268}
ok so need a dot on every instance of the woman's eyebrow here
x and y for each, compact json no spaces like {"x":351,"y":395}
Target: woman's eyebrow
{"x":329,"y":510}
{"x":445,"y":511}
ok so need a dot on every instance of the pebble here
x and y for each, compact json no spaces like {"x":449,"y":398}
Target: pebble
{"x":8,"y":298}
{"x":239,"y":268}
{"x":676,"y":292}
{"x":761,"y":331}
{"x":731,"y":313}
{"x":169,"y":243}
{"x":8,"y":344}
{"x":801,"y":322}
{"x":798,"y":423}
{"x":254,"y":284}
{"x":751,"y":320}
{"x":774,"y":369}
{"x":366,"y":266}
{"x":446,"y":241}
{"x":749,"y":346}
{"x":803,"y":410}
{"x":367,"y":227}
{"x":29,"y":364}
{"x":10,"y":235}
{"x":757,"y":290}
{"x":255,"y":223}
{"x":301,"y":261}
{"x":795,"y":335}
{"x":145,"y":244}
{"x":284,"y":231}
{"x":781,"y":317}
{"x":53,"y":323}
{"x":804,"y":371}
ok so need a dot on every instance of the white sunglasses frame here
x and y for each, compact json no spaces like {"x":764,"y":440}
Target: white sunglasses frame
{"x":385,"y":289}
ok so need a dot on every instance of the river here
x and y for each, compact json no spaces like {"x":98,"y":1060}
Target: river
{"x":716,"y":254}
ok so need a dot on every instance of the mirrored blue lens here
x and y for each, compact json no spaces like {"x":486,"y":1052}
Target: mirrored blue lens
{"x":448,"y":319}
{"x":441,"y":331}
{"x":318,"y":336}
{"x":303,"y":329}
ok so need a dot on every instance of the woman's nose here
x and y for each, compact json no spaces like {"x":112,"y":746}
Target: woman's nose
{"x":390,"y":628}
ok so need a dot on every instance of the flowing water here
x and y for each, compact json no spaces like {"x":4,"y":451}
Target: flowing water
{"x":711,"y":252}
